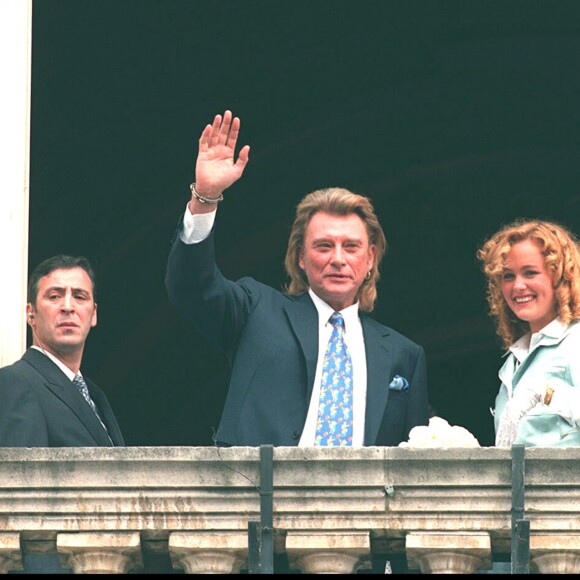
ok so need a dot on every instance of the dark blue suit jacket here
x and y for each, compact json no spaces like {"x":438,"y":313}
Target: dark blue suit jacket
{"x":271,"y":340}
{"x":40,"y":407}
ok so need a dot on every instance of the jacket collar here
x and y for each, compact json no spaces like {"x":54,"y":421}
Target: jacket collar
{"x":303,"y":319}
{"x":61,"y":386}
{"x":526,"y":347}
{"x":379,"y":356}
{"x":553,"y":333}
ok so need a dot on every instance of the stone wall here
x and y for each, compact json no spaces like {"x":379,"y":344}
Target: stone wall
{"x":334,"y":509}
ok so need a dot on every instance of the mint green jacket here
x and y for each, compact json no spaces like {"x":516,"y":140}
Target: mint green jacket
{"x":553,"y":359}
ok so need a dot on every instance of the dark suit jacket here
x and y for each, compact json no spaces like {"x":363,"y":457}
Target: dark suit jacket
{"x":271,"y":340}
{"x":40,"y":407}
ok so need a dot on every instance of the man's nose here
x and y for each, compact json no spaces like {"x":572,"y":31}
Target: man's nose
{"x":338,"y":255}
{"x":67,"y":302}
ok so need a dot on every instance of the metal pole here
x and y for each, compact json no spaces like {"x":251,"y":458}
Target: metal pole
{"x":267,"y":508}
{"x":261,"y":534}
{"x":520,"y":544}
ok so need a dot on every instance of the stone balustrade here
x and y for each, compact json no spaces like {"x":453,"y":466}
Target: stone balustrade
{"x":334,"y":510}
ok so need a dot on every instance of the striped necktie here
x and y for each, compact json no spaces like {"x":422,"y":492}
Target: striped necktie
{"x":81,"y":385}
{"x":334,"y":425}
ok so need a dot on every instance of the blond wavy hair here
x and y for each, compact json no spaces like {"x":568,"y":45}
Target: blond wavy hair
{"x":561,"y":251}
{"x":339,"y":201}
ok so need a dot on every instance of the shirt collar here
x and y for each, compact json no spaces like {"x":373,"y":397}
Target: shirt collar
{"x":57,"y":362}
{"x":350,"y":313}
{"x":552,"y":330}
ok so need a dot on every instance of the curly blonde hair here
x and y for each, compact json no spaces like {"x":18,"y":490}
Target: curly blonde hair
{"x":561,"y":251}
{"x":339,"y":201}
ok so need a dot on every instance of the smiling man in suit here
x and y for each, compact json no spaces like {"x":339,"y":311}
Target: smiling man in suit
{"x":309,"y":366}
{"x":44,"y":399}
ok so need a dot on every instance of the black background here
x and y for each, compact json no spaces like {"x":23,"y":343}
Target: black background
{"x":454,"y":117}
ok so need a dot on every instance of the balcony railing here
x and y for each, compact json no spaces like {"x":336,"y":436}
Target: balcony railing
{"x":333,"y":509}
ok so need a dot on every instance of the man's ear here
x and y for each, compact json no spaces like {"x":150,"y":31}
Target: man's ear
{"x":30,"y":314}
{"x":372,"y":250}
{"x":301,"y":260}
{"x":94,"y":318}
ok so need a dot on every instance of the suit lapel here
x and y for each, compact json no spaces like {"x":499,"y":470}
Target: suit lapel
{"x":106,"y":413}
{"x":303,"y":319}
{"x":379,"y":371}
{"x":59,"y":384}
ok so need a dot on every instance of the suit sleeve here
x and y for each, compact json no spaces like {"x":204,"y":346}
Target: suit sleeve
{"x":22,"y":422}
{"x":217,"y":307}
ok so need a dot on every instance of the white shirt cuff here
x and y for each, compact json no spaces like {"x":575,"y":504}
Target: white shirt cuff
{"x":196,"y":228}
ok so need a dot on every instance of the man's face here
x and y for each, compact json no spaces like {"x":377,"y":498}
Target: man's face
{"x":64,"y":313}
{"x":336,"y":257}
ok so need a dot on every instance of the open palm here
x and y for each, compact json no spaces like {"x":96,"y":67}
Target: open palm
{"x":215,"y":168}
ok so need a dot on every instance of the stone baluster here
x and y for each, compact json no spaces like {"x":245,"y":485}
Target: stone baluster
{"x":100,"y":552}
{"x":448,"y":552}
{"x":219,"y":552}
{"x":341,"y":552}
{"x":10,"y":555}
{"x":555,"y":553}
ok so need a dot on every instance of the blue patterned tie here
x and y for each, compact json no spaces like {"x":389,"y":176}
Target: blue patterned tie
{"x":334,"y":425}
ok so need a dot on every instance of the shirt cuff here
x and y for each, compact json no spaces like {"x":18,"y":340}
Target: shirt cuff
{"x":196,"y":228}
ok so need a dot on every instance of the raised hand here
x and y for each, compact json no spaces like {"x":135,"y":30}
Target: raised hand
{"x":215,"y":169}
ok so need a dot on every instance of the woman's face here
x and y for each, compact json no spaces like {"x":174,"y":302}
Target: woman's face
{"x":527,"y":286}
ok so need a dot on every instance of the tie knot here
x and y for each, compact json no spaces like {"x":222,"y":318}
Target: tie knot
{"x":337,"y":320}
{"x":79,"y":382}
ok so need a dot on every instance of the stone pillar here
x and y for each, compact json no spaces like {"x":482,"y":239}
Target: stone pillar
{"x":448,"y":552}
{"x":219,"y":552}
{"x":340,"y":552}
{"x":10,"y":555}
{"x":100,"y":552}
{"x":15,"y":31}
{"x":555,"y":553}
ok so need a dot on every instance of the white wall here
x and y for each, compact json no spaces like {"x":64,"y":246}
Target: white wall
{"x":15,"y":58}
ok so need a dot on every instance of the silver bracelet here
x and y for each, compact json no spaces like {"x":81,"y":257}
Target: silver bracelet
{"x":205,"y":199}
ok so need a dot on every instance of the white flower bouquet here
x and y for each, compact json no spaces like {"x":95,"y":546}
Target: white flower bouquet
{"x":439,"y":433}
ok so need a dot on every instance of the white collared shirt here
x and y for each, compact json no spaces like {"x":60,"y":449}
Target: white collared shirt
{"x":353,"y":337}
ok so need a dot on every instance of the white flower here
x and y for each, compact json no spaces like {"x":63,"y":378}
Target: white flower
{"x":440,"y":434}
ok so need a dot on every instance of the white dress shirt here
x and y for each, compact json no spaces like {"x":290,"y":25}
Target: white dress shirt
{"x":353,"y":337}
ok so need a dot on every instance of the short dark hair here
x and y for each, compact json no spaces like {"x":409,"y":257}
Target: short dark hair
{"x":60,"y":262}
